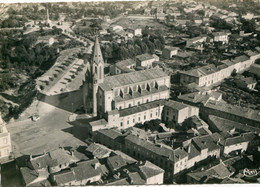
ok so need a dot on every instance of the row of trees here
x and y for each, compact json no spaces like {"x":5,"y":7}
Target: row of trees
{"x":114,"y":51}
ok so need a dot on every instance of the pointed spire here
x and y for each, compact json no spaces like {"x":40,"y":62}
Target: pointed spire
{"x":97,"y":58}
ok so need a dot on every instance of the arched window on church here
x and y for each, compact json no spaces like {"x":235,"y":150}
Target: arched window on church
{"x":95,"y":69}
{"x":100,"y":72}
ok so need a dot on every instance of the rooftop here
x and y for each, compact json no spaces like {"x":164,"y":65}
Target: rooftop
{"x":140,"y":108}
{"x":116,"y":162}
{"x":235,"y":110}
{"x":175,"y":105}
{"x":150,"y":170}
{"x":202,"y":71}
{"x":144,"y":57}
{"x":112,"y":82}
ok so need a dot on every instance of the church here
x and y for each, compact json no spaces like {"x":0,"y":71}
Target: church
{"x":125,"y":99}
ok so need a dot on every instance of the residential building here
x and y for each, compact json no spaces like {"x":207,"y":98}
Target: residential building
{"x":124,"y":66}
{"x":145,"y":60}
{"x":178,"y":112}
{"x":211,"y":74}
{"x":169,"y":52}
{"x":5,"y":142}
{"x":245,"y":82}
{"x":198,"y":98}
{"x":135,"y":32}
{"x":196,"y":40}
{"x":220,"y":37}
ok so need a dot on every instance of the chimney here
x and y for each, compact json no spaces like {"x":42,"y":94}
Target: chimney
{"x":30,"y":157}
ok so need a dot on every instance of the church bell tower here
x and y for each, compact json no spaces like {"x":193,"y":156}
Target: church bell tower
{"x":94,"y":76}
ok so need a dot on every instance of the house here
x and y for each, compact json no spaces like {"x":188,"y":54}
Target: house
{"x":124,"y":66}
{"x":220,"y":37}
{"x":87,"y":172}
{"x":99,"y":151}
{"x":115,"y":163}
{"x":151,"y":173}
{"x":198,"y":98}
{"x":236,"y":143}
{"x":5,"y":145}
{"x":145,"y":60}
{"x":169,"y":51}
{"x":245,"y":82}
{"x":106,"y":18}
{"x":192,"y":41}
{"x":135,"y":32}
{"x":178,"y":112}
{"x":117,"y":28}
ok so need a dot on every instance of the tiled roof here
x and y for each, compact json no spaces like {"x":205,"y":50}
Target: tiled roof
{"x":127,"y":158}
{"x":111,"y":133}
{"x":136,"y":179}
{"x":179,"y":154}
{"x":61,"y":156}
{"x":197,"y":97}
{"x":140,"y":108}
{"x":124,"y":63}
{"x":28,"y":175}
{"x":206,"y":141}
{"x":98,"y":150}
{"x":150,"y":170}
{"x":235,"y":110}
{"x":201,"y":71}
{"x":193,"y":152}
{"x":170,"y":48}
{"x":241,"y":58}
{"x":175,"y":105}
{"x":251,"y":53}
{"x":119,"y":182}
{"x":162,"y":151}
{"x":64,"y":177}
{"x":86,"y":170}
{"x":115,"y":81}
{"x":100,"y":122}
{"x":235,"y":140}
{"x":43,"y":161}
{"x":144,"y":57}
{"x":226,"y":125}
{"x":116,"y":162}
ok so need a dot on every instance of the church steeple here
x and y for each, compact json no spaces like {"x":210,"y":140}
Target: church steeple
{"x":97,"y":55}
{"x":97,"y":63}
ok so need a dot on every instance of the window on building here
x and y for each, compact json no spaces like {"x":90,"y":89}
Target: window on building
{"x":120,"y":108}
{"x":129,"y":105}
{"x":151,"y":115}
{"x":167,"y":112}
{"x":133,"y":120}
{"x":144,"y":117}
{"x":138,"y":103}
{"x":127,"y":122}
{"x":121,"y":124}
{"x":139,"y":119}
{"x":156,"y":113}
{"x":147,"y":100}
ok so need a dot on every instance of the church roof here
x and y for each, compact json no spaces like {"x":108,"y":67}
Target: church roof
{"x":97,"y":55}
{"x":131,"y":78}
